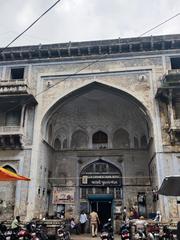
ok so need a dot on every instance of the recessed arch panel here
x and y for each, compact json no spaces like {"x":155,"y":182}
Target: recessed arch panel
{"x":88,"y":88}
{"x":121,"y":139}
{"x":79,"y":140}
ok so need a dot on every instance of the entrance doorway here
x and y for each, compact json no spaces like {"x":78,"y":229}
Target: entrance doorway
{"x":103,"y":206}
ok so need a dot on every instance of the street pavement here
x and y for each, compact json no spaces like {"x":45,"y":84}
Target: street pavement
{"x":88,"y":237}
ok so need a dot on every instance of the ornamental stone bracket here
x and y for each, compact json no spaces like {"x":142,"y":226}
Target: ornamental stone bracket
{"x":14,"y":87}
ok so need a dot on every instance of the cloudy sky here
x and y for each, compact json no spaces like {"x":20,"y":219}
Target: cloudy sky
{"x":82,"y":20}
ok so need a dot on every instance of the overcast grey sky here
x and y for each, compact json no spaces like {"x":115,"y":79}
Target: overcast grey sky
{"x":82,"y":20}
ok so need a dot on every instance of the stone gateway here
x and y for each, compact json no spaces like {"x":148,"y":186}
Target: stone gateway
{"x":95,"y":125}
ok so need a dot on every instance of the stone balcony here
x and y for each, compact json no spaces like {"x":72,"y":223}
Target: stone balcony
{"x":172,"y":79}
{"x":12,"y":87}
{"x":11,"y":137}
{"x":169,"y":83}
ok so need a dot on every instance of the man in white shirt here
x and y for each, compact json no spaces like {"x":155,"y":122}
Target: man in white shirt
{"x":83,"y":219}
{"x":15,"y":225}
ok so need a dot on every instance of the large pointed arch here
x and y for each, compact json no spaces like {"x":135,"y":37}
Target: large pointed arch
{"x":85,"y":89}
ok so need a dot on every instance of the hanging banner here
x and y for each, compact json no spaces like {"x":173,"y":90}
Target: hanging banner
{"x":63,"y":195}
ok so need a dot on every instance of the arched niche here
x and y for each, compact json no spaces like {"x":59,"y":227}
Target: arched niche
{"x":121,"y":139}
{"x":136,"y":143}
{"x":100,"y":140}
{"x":57,"y":144}
{"x":143,"y":141}
{"x":79,"y":140}
{"x":100,"y":177}
{"x":9,"y":168}
{"x":65,"y":143}
{"x":50,"y":133}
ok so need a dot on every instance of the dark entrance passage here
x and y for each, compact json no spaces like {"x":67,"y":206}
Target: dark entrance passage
{"x":102,"y":204}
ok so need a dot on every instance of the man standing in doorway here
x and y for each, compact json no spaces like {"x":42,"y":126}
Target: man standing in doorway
{"x":94,"y":223}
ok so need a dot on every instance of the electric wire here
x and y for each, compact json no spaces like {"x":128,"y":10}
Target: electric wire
{"x":81,"y":69}
{"x":78,"y":71}
{"x":32,"y":24}
{"x":160,"y":24}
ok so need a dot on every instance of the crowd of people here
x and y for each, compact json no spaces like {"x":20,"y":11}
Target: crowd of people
{"x":79,"y":226}
{"x":93,"y":218}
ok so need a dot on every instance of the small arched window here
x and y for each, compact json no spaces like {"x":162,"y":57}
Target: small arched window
{"x":100,"y":140}
{"x":100,"y":137}
{"x":9,"y":168}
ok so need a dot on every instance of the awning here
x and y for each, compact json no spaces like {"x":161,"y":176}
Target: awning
{"x":170,"y":186}
{"x":100,"y":197}
{"x":6,"y":175}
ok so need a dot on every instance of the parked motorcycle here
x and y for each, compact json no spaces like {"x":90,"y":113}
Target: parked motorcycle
{"x":23,"y":234}
{"x":153,"y":232}
{"x":125,"y":231}
{"x":41,"y":232}
{"x":32,"y":232}
{"x":139,"y":235}
{"x":107,"y":231}
{"x":7,"y":234}
{"x":3,"y":230}
{"x":167,"y":234}
{"x":28,"y":232}
{"x":62,"y":233}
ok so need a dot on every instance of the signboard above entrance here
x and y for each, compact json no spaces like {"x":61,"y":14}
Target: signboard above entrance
{"x":101,"y":180}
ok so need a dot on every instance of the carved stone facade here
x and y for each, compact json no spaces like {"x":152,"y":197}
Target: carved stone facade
{"x":93,"y":124}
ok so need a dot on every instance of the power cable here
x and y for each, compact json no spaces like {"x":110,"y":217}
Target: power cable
{"x":90,"y":64}
{"x":160,"y":24}
{"x":30,"y":26}
{"x":78,"y":71}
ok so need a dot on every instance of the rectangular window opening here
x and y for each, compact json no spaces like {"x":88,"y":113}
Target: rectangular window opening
{"x":17,"y":73}
{"x":175,"y":63}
